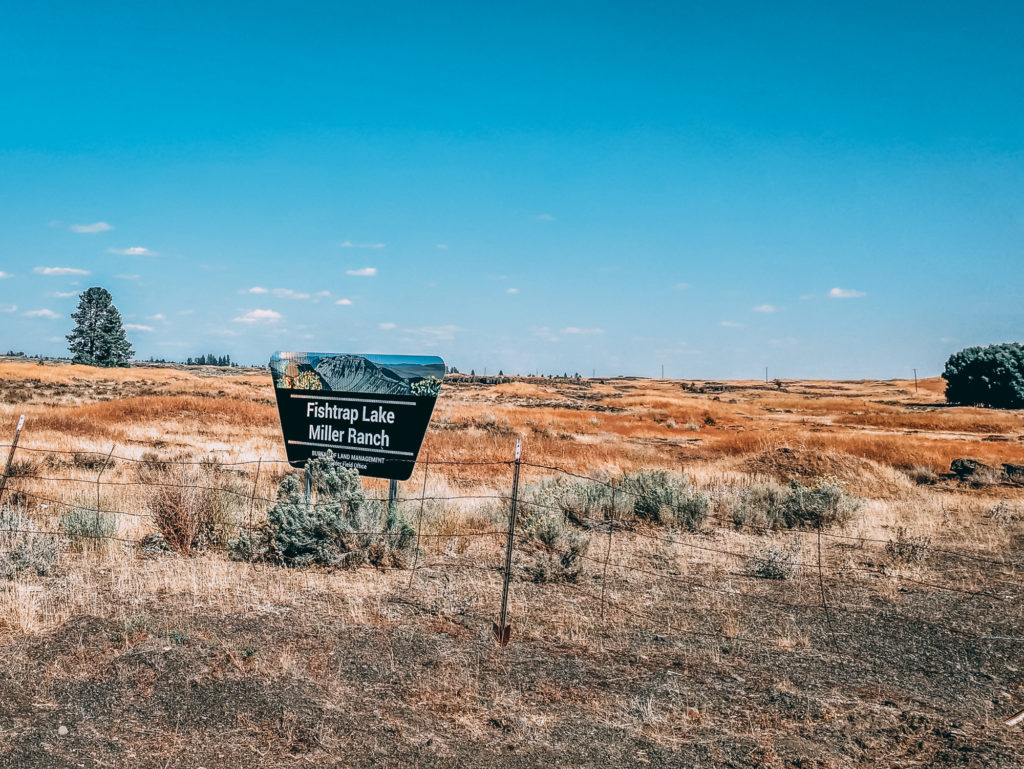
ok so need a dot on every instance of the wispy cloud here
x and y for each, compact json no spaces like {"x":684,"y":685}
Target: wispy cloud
{"x":137,"y":327}
{"x":766,"y":308}
{"x":91,"y":229}
{"x":845,"y":293}
{"x":4,"y":275}
{"x":545,"y":218}
{"x":365,"y":272}
{"x":59,"y":271}
{"x":387,"y":326}
{"x":682,"y":286}
{"x":583,"y":331}
{"x":511,"y":290}
{"x":344,"y":302}
{"x":350,"y":244}
{"x":434,"y":334}
{"x":287,"y":293}
{"x":158,"y":316}
{"x":44,"y":313}
{"x":730,"y":324}
{"x":128,"y":277}
{"x":255,"y":290}
{"x":259,"y":316}
{"x":64,"y":294}
{"x":442,"y":245}
{"x":132,"y":251}
{"x":786,"y":341}
{"x":8,"y":308}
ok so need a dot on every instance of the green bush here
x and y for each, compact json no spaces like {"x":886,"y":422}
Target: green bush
{"x":88,"y":528}
{"x":768,"y":505}
{"x":24,"y":547}
{"x":560,"y":548}
{"x":663,"y":497}
{"x":341,"y":527}
{"x":986,"y":376}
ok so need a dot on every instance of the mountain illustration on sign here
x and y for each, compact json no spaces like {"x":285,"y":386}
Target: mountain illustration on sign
{"x":354,"y":373}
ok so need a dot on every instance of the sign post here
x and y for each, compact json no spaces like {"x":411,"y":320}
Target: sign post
{"x":370,"y":411}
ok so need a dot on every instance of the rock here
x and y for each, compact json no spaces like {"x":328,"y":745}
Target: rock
{"x":62,"y":731}
{"x":964,"y":468}
{"x":1013,"y":473}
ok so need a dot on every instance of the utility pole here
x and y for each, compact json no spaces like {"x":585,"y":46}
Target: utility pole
{"x":915,"y":380}
{"x":766,"y":375}
{"x":662,"y":370}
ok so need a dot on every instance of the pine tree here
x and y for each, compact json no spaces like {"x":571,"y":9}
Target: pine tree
{"x":98,"y":337}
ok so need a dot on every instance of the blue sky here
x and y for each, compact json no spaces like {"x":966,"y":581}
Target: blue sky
{"x":830,"y":190}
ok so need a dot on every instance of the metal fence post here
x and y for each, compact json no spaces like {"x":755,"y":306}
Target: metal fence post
{"x":10,"y":456}
{"x":502,"y":631}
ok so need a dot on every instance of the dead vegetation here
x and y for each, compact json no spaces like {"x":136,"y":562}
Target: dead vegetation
{"x":801,"y":575}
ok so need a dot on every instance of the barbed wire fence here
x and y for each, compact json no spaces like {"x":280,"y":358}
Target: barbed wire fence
{"x":650,"y":575}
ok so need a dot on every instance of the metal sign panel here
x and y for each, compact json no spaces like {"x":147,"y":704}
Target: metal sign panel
{"x":371,"y":411}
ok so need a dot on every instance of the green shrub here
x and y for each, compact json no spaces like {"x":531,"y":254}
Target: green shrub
{"x":986,"y":376}
{"x":560,"y":549}
{"x":768,"y":505}
{"x":87,"y":529}
{"x":341,"y":527}
{"x":24,"y":547}
{"x":662,"y":497}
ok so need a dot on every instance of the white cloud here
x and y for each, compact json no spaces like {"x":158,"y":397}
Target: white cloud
{"x":511,"y":290}
{"x":137,"y":327}
{"x":64,"y":294}
{"x":287,"y":293}
{"x":44,"y":313}
{"x":576,"y":330}
{"x":259,"y":316}
{"x":545,"y":218}
{"x":158,"y":316}
{"x":8,"y":308}
{"x":128,"y":277}
{"x":845,"y":293}
{"x":5,"y":275}
{"x":322,"y":293}
{"x":766,"y":308}
{"x":344,"y":302}
{"x":387,"y":326}
{"x":255,"y":290}
{"x":948,"y":340}
{"x":132,"y":251}
{"x":90,"y":229}
{"x":365,"y":272}
{"x":786,"y":341}
{"x":730,"y":324}
{"x":59,"y":271}
{"x":350,"y":244}
{"x":442,"y":245}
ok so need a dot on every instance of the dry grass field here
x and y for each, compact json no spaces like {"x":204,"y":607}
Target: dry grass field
{"x":893,"y":636}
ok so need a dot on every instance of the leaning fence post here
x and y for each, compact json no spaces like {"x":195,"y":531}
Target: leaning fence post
{"x":608,"y":552}
{"x":502,"y":631}
{"x":98,"y":477}
{"x":10,"y":456}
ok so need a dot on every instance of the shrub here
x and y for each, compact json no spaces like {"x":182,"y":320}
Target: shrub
{"x":661,"y":497}
{"x":24,"y":547}
{"x":987,"y":376}
{"x":88,"y":528}
{"x":769,"y":505}
{"x":193,"y":505}
{"x":906,"y":549}
{"x":559,"y":557}
{"x":775,"y":562}
{"x":340,"y":527}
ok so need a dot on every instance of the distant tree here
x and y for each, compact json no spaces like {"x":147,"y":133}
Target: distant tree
{"x":986,"y":376}
{"x":98,"y":337}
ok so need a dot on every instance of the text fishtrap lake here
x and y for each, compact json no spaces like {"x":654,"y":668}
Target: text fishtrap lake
{"x":371,"y":411}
